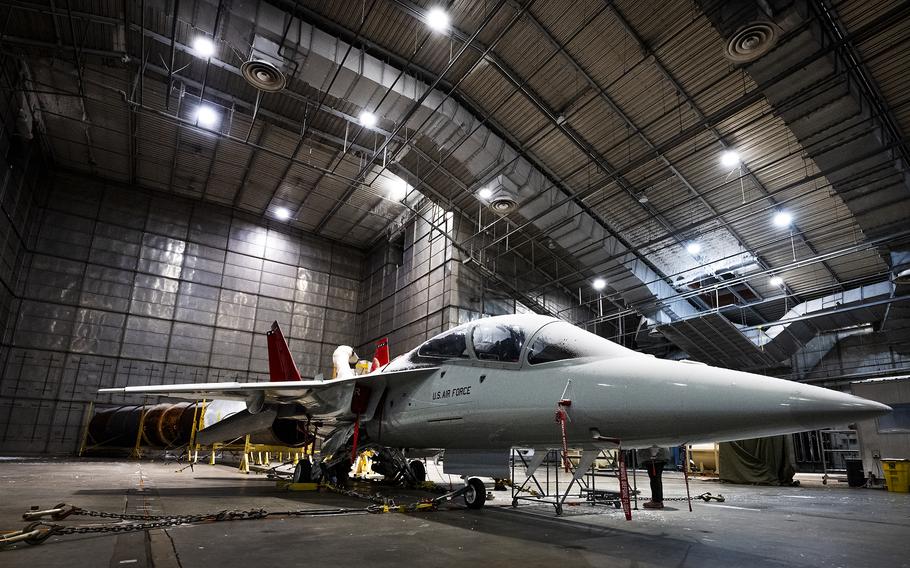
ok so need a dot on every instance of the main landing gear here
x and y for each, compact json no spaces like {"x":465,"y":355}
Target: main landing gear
{"x":475,"y":494}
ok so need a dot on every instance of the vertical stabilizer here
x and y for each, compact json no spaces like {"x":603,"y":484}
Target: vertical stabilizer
{"x":381,"y":357}
{"x":281,"y":364}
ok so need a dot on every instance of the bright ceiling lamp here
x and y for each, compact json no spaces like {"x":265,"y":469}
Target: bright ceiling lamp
{"x":693,"y":248}
{"x":729,"y":159}
{"x":782,"y":219}
{"x":776,"y":281}
{"x":438,"y":19}
{"x":398,"y":188}
{"x":599,"y":284}
{"x":206,"y":116}
{"x":485,"y":193}
{"x":367,"y":119}
{"x":282,"y":213}
{"x":203,"y":47}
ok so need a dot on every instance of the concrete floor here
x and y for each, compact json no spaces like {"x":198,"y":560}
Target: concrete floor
{"x":812,"y":525}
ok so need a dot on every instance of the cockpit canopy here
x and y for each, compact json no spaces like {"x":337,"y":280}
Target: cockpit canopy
{"x":505,"y":339}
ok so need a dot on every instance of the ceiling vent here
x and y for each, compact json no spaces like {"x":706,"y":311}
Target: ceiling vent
{"x":751,"y":42}
{"x":503,"y":194}
{"x":263,"y":75}
{"x":503,"y":204}
{"x":264,"y":70}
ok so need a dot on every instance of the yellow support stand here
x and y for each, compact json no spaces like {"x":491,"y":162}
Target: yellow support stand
{"x":82,"y":446}
{"x":137,"y":449}
{"x":245,"y":461}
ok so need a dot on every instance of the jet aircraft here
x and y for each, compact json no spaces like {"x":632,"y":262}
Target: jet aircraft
{"x":482,"y":388}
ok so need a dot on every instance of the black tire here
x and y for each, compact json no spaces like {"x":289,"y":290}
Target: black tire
{"x":476,"y":495}
{"x":418,"y":470}
{"x":303,"y":472}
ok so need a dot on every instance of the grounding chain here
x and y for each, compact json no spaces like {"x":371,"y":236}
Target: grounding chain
{"x":39,"y":531}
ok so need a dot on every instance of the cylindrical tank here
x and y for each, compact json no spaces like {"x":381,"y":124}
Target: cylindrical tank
{"x":176,"y":423}
{"x":97,"y":427}
{"x":151,"y":426}
{"x":123,"y":427}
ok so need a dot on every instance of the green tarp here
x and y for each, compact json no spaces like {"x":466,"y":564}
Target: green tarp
{"x":762,"y":461}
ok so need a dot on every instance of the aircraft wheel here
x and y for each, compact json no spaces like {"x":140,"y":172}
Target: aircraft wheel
{"x":302,"y":472}
{"x":418,"y":470}
{"x":476,"y":495}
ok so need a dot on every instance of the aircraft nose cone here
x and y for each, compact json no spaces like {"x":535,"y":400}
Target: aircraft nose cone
{"x":818,"y":406}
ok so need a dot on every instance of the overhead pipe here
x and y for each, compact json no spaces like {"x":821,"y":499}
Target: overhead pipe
{"x":170,"y":70}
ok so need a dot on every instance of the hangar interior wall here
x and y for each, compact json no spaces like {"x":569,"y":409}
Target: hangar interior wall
{"x":882,"y":444}
{"x":118,"y":286}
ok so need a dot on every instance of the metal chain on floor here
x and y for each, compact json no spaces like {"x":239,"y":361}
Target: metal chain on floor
{"x":39,"y":531}
{"x":704,"y":497}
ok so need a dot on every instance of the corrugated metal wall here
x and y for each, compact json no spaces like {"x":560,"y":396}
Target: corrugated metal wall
{"x":125,"y":287}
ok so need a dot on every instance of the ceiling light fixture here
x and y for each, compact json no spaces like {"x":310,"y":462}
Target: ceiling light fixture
{"x":599,"y":284}
{"x":206,"y":116}
{"x":438,"y":19}
{"x":782,"y":219}
{"x":203,"y":47}
{"x":776,"y":281}
{"x":282,"y":213}
{"x":693,"y":248}
{"x":398,"y":188}
{"x":367,"y":119}
{"x":729,"y":159}
{"x":485,"y":193}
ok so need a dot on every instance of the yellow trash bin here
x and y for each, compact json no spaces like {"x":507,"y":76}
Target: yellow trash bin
{"x":897,"y":474}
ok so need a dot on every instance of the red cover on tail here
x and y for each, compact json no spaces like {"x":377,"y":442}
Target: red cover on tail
{"x":281,"y":364}
{"x":381,"y":358}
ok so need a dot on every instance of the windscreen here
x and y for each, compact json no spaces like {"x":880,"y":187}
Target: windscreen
{"x":560,"y":340}
{"x":497,"y":342}
{"x":451,"y":345}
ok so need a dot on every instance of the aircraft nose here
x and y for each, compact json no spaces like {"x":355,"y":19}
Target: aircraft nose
{"x":824,"y":406}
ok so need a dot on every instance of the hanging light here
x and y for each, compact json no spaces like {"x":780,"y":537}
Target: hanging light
{"x":282,"y":213}
{"x":367,"y":119}
{"x":206,"y":116}
{"x":693,"y":248}
{"x":485,"y":193}
{"x":599,"y":284}
{"x":729,"y":159}
{"x":203,"y":47}
{"x":776,"y":281}
{"x":438,"y":19}
{"x":782,"y":219}
{"x":398,"y":188}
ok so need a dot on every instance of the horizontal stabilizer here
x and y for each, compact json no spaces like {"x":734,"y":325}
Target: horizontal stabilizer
{"x":236,"y":426}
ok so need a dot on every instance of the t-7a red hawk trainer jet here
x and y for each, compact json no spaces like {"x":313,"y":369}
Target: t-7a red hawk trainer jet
{"x":485,"y":387}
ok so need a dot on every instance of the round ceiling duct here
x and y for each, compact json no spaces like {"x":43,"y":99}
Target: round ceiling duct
{"x":751,"y":42}
{"x":263,"y":75}
{"x":503,"y":204}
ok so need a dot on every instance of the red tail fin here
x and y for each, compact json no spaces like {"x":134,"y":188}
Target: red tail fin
{"x":281,"y":364}
{"x":381,"y":358}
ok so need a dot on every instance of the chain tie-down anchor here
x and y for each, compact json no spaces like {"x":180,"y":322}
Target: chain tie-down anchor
{"x":59,"y":512}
